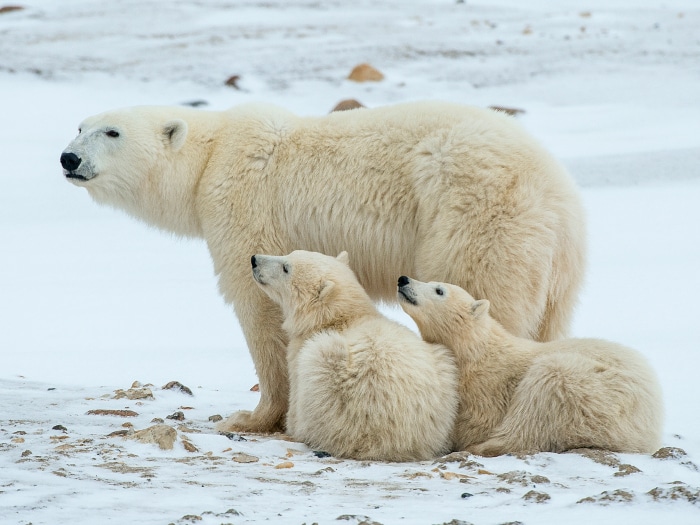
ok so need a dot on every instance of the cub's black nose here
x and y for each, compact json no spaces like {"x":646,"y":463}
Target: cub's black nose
{"x":403,"y":280}
{"x":70,"y":161}
{"x":252,"y":261}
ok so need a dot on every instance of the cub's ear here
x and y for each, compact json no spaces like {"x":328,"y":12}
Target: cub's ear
{"x":479,"y":308}
{"x":175,"y":133}
{"x":344,"y":258}
{"x":325,"y":288}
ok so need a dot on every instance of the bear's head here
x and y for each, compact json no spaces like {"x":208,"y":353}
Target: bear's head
{"x":441,"y":309}
{"x":128,"y":158}
{"x":315,"y":291}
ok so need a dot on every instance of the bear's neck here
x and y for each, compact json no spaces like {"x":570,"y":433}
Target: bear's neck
{"x":303,"y":326}
{"x":472,"y":346}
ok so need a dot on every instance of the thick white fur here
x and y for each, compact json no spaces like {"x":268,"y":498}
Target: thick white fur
{"x":403,"y":188}
{"x":361,"y":386}
{"x":520,"y":396}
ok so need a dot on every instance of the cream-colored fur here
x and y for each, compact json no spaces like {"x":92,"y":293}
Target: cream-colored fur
{"x":518,"y":395}
{"x":361,"y":386}
{"x":403,"y":188}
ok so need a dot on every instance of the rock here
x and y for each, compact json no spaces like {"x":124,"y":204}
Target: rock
{"x":509,"y":111}
{"x":215,"y":418}
{"x":606,"y":498}
{"x":177,"y":416}
{"x":118,"y":433}
{"x":321,"y":454}
{"x":59,"y":427}
{"x":679,"y":491}
{"x":106,"y":412}
{"x":134,"y":393}
{"x":10,"y":8}
{"x":365,"y":73}
{"x":241,"y":457}
{"x":233,"y":437}
{"x":537,"y":497}
{"x":522,"y":478}
{"x":284,"y":464}
{"x":162,"y":435}
{"x":26,"y":453}
{"x":232,"y":81}
{"x":347,"y":104}
{"x":176,"y":385}
{"x":669,"y":453}
{"x":189,"y":446}
{"x":626,"y":469}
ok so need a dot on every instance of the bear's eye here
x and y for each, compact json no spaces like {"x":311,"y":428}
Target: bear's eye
{"x":285,"y":268}
{"x":439,"y":291}
{"x":112,"y":133}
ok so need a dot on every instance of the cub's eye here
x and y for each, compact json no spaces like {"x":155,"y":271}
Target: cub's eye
{"x":112,"y":133}
{"x":439,"y":291}
{"x":285,"y":268}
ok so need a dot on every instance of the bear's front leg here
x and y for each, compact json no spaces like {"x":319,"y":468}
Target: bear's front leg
{"x":261,"y":321}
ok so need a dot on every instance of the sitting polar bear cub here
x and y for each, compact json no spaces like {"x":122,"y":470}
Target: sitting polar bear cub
{"x":518,"y":395}
{"x":361,"y":386}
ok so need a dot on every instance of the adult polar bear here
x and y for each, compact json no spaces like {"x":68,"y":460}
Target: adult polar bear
{"x":440,"y":191}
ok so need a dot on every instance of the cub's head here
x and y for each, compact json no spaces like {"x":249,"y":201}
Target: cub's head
{"x":440,"y":309}
{"x":314,"y":290}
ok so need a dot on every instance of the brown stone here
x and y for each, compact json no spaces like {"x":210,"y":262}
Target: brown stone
{"x":106,"y":412}
{"x":347,"y":104}
{"x":365,"y":73}
{"x":162,"y":435}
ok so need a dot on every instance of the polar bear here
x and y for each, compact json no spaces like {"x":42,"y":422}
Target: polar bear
{"x":521,"y":396}
{"x":361,"y":386}
{"x":404,"y":188}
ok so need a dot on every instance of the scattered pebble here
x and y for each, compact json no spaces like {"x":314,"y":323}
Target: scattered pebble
{"x":59,"y":427}
{"x":242,"y":457}
{"x":284,"y":464}
{"x":106,"y":412}
{"x":215,"y":418}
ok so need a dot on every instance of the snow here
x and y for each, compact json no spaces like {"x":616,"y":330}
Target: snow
{"x":91,"y":300}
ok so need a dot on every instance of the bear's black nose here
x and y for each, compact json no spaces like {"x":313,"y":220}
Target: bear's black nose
{"x":252,"y":261}
{"x":70,"y":161}
{"x":403,"y":280}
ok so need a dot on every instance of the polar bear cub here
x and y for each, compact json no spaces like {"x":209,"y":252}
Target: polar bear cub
{"x":518,"y":395}
{"x":361,"y":385}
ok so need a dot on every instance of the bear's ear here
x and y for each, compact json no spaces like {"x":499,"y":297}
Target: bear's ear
{"x":325,"y":288}
{"x":175,"y":133}
{"x":344,"y":258}
{"x":479,"y":308}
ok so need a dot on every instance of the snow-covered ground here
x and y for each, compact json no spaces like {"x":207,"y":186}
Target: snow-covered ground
{"x":91,"y":301}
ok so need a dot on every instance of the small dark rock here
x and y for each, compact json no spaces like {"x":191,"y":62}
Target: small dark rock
{"x":232,"y":81}
{"x":10,"y":8}
{"x":177,"y":416}
{"x":233,"y":437}
{"x":196,"y":103}
{"x":215,"y":418}
{"x":60,"y":427}
{"x":466,"y":495}
{"x":176,"y":385}
{"x":321,"y":454}
{"x":26,"y":453}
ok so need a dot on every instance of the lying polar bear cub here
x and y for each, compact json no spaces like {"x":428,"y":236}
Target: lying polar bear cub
{"x":360,"y":385}
{"x":518,"y":395}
